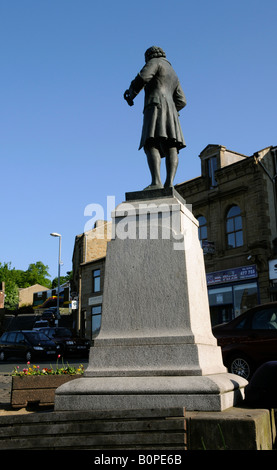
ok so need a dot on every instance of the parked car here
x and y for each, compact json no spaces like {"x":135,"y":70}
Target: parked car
{"x":249,"y":340}
{"x":40,"y":324}
{"x":50,"y":314}
{"x":69,"y":344}
{"x":27,"y":344}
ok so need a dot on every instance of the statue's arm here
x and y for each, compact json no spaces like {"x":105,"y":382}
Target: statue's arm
{"x":136,"y":86}
{"x":179,"y":98}
{"x":143,"y":77}
{"x":149,"y":71}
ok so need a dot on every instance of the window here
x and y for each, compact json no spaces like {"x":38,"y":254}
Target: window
{"x":234,"y":227}
{"x":96,"y":280}
{"x":245,"y":296}
{"x":96,"y":313}
{"x":11,"y":337}
{"x":264,"y":320}
{"x":4,"y":337}
{"x":212,"y":167}
{"x":229,"y":301}
{"x":20,"y":338}
{"x":242,"y":324}
{"x":220,"y":295}
{"x":202,"y":230}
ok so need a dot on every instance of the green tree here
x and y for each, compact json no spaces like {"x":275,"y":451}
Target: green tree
{"x":11,"y":298}
{"x":37,"y":273}
{"x":8,"y":275}
{"x":63,"y":279}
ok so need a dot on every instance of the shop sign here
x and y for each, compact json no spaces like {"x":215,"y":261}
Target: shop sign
{"x":232,"y":275}
{"x":95,"y":300}
{"x":272,"y":265}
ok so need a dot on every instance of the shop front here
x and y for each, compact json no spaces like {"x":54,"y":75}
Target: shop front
{"x":231,"y":292}
{"x":272,"y":268}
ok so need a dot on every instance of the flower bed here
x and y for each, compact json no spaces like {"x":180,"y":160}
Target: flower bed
{"x":36,"y":370}
{"x":35,"y":385}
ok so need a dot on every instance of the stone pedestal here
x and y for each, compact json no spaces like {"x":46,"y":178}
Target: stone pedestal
{"x":155,"y":348}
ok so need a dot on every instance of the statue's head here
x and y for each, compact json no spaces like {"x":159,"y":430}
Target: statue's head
{"x":152,"y":52}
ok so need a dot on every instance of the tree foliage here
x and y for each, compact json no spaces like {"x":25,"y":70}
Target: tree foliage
{"x":37,"y":273}
{"x":63,"y":279}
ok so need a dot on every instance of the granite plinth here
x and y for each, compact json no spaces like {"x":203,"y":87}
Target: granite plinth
{"x":215,"y":392}
{"x":155,"y":347}
{"x":150,"y":194}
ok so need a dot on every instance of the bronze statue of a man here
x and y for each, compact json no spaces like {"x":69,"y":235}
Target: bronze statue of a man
{"x":161,"y":132}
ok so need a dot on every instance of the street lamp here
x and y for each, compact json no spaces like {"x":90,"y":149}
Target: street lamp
{"x":59,"y":271}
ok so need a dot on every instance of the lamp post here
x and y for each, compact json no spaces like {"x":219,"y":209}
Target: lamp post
{"x":59,"y":271}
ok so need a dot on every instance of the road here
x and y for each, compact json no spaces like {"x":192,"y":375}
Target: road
{"x":7,"y":367}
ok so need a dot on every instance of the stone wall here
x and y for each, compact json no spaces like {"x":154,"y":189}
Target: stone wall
{"x":247,"y":183}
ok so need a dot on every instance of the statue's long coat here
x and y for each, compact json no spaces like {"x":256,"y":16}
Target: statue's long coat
{"x":164,"y":97}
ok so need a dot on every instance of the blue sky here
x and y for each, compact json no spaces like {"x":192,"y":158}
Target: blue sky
{"x":67,"y":137}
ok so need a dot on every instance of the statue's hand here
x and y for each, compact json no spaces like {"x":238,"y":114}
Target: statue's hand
{"x":127,"y":97}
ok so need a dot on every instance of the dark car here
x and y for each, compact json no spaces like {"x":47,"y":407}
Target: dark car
{"x":40,"y":324}
{"x":50,"y":315}
{"x":249,"y":340}
{"x":27,"y":344}
{"x":69,"y":344}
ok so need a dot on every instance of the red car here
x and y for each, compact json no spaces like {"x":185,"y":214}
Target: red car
{"x":249,"y":340}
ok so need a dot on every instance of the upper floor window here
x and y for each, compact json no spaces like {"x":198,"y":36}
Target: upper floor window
{"x":234,"y":227}
{"x":96,"y":280}
{"x":212,"y":167}
{"x":96,"y":313}
{"x":202,"y":229}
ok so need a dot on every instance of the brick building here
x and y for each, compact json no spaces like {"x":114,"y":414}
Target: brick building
{"x":88,"y":276}
{"x":234,"y":201}
{"x":26,"y":294}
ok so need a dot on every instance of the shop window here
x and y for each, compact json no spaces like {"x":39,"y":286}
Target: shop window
{"x":234,"y":227}
{"x":221,"y":304}
{"x":245,"y":297}
{"x":230,"y":301}
{"x":96,"y":287}
{"x":202,"y":230}
{"x":96,"y":314}
{"x":220,"y":296}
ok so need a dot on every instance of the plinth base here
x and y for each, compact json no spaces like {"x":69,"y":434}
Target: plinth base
{"x":155,"y":348}
{"x":199,"y":393}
